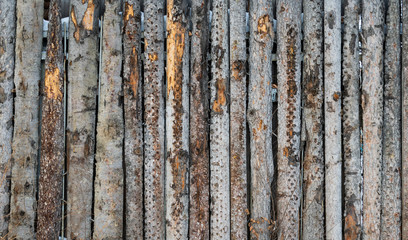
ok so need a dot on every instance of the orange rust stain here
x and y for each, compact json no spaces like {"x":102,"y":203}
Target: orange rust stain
{"x":221,"y":99}
{"x":83,"y":1}
{"x":286,"y":152}
{"x":88,"y":19}
{"x":52,"y":84}
{"x":336,"y":96}
{"x":128,"y":12}
{"x":351,"y":228}
{"x":260,"y":125}
{"x":264,"y":25}
{"x":134,"y":72}
{"x":153,"y":57}
{"x":75,"y":22}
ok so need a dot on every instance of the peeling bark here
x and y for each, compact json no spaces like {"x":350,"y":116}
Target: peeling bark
{"x":259,"y":117}
{"x":332,"y":118}
{"x":313,"y":162}
{"x":52,"y":131}
{"x":154,"y":132}
{"x":372,"y":106}
{"x":133,"y":114}
{"x":177,"y":119}
{"x":351,"y":122}
{"x":7,"y":47}
{"x":404,"y":121}
{"x":109,"y":189}
{"x":199,"y":227}
{"x":26,"y":137}
{"x":238,"y":140}
{"x":288,"y":52}
{"x":219,"y":125}
{"x":81,"y":104}
{"x":391,"y":178}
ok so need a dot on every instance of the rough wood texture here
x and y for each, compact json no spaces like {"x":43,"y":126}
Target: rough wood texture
{"x":7,"y":46}
{"x":219,"y":126}
{"x":261,"y":37}
{"x":81,"y":110}
{"x":199,"y":227}
{"x":372,"y":106}
{"x":177,"y":120}
{"x":288,"y":192}
{"x":238,"y":140}
{"x":109,"y":189}
{"x":332,"y":118}
{"x":391,"y":178}
{"x":154,"y":120}
{"x":313,"y":161}
{"x":351,"y":122}
{"x":26,"y":137}
{"x":52,"y":131}
{"x":404,"y":88}
{"x":133,"y":114}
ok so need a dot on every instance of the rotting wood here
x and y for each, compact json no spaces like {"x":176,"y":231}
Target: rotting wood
{"x":52,"y":131}
{"x":238,"y":137}
{"x":7,"y":47}
{"x":351,"y":122}
{"x":261,"y":38}
{"x":154,"y":132}
{"x":199,"y":218}
{"x":133,"y":114}
{"x":109,"y":179}
{"x":219,"y":124}
{"x":372,"y":107}
{"x":288,"y":183}
{"x":313,"y":161}
{"x":81,"y":111}
{"x":27,"y":75}
{"x":177,"y":120}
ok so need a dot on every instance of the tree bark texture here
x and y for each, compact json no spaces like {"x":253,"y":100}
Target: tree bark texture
{"x":154,"y":113}
{"x":332,"y":117}
{"x":199,"y":227}
{"x":81,"y":111}
{"x":7,"y":47}
{"x":133,"y":114}
{"x":219,"y":126}
{"x":289,"y":91}
{"x":391,"y":178}
{"x":177,"y":120}
{"x":351,"y":122}
{"x":404,"y":141}
{"x":313,"y":161}
{"x":52,"y":131}
{"x":259,"y":117}
{"x":109,"y":189}
{"x":26,"y":135}
{"x":372,"y":106}
{"x":238,"y":139}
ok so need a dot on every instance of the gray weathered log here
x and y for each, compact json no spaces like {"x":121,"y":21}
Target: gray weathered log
{"x":332,"y":118}
{"x":177,"y":120}
{"x":81,"y":110}
{"x":261,"y":38}
{"x":133,"y":114}
{"x":7,"y":47}
{"x":372,"y":106}
{"x":289,"y":89}
{"x":391,"y":178}
{"x":109,"y":189}
{"x":26,"y":135}
{"x":238,"y":139}
{"x":154,"y":133}
{"x":199,"y":227}
{"x":219,"y":125}
{"x":351,"y":122}
{"x":313,"y":161}
{"x":52,"y":131}
{"x":404,"y":160}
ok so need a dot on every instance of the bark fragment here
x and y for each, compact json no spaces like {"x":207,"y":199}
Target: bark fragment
{"x":25,"y":139}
